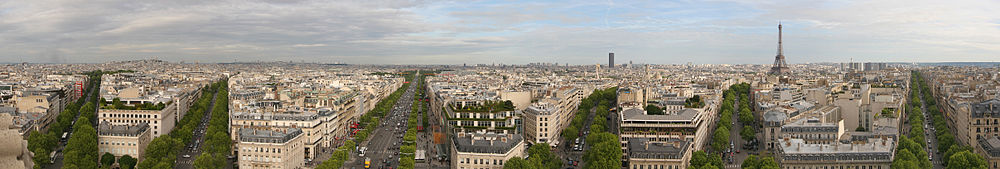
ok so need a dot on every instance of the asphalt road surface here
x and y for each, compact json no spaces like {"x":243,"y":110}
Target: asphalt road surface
{"x":383,"y":145}
{"x":58,"y":160}
{"x":185,"y":160}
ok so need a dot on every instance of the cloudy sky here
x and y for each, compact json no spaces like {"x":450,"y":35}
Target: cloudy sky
{"x":503,"y":31}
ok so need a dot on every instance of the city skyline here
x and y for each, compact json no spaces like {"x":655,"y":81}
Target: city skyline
{"x":509,"y":32}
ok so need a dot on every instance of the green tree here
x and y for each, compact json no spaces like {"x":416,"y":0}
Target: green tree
{"x":517,"y":163}
{"x":596,"y":128}
{"x":708,"y":166}
{"x":654,"y":110}
{"x":542,"y":155}
{"x":204,"y":161}
{"x":752,"y":162}
{"x":952,"y":151}
{"x":127,"y":162}
{"x":107,"y":159}
{"x":698,"y":158}
{"x":570,"y":132}
{"x":768,"y":163}
{"x":746,"y":116}
{"x":605,"y":151}
{"x":605,"y":155}
{"x":748,"y":133}
{"x":720,"y":140}
{"x":966,"y":160}
{"x":41,"y":157}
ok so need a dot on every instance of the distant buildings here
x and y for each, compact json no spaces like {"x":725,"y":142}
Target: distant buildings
{"x":34,"y":98}
{"x":324,"y":106}
{"x":611,"y":60}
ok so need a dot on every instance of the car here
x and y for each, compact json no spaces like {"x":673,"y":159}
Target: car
{"x":737,"y":150}
{"x":186,"y":156}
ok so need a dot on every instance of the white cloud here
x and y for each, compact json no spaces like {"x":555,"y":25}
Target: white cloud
{"x":436,"y":32}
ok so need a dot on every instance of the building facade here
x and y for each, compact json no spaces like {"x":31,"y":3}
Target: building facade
{"x":485,"y":151}
{"x":270,"y":149}
{"x":875,"y":153}
{"x":126,"y":139}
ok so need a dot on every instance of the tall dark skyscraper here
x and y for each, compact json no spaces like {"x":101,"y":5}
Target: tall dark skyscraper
{"x":611,"y":60}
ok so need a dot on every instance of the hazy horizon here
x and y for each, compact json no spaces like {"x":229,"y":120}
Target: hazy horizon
{"x":509,"y":32}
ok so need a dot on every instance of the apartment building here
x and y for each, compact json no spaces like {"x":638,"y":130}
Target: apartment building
{"x":989,"y":148}
{"x":485,"y":150}
{"x":270,"y":149}
{"x":126,"y":139}
{"x":545,"y":119}
{"x":312,"y":125}
{"x":660,"y":140}
{"x":985,"y":125}
{"x":160,"y":121}
{"x":874,"y":153}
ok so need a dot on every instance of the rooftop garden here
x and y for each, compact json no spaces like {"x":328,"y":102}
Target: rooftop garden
{"x":884,"y":86}
{"x":117,"y":104}
{"x":654,"y":110}
{"x":694,"y":102}
{"x":487,"y":106}
{"x":888,"y":112}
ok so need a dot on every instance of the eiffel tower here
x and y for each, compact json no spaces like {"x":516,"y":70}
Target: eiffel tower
{"x":779,"y":68}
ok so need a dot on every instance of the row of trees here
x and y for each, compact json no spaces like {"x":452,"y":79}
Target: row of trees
{"x":163,"y":150}
{"x":605,"y":151}
{"x":735,"y":93}
{"x":218,"y":143}
{"x":911,"y":152}
{"x":605,"y":148}
{"x":42,"y":143}
{"x":81,"y":150}
{"x":702,"y":160}
{"x":339,"y":156}
{"x":126,"y":161}
{"x":370,"y":121}
{"x":955,"y":156}
{"x":407,"y":158}
{"x":603,"y":98}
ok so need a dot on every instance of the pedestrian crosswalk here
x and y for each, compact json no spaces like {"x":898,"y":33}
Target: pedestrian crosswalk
{"x":733,"y":166}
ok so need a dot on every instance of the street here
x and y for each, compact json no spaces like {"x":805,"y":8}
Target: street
{"x":565,"y":150}
{"x":58,"y":160}
{"x":383,"y":145}
{"x":929,"y":135}
{"x":185,"y":159}
{"x":737,"y":141}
